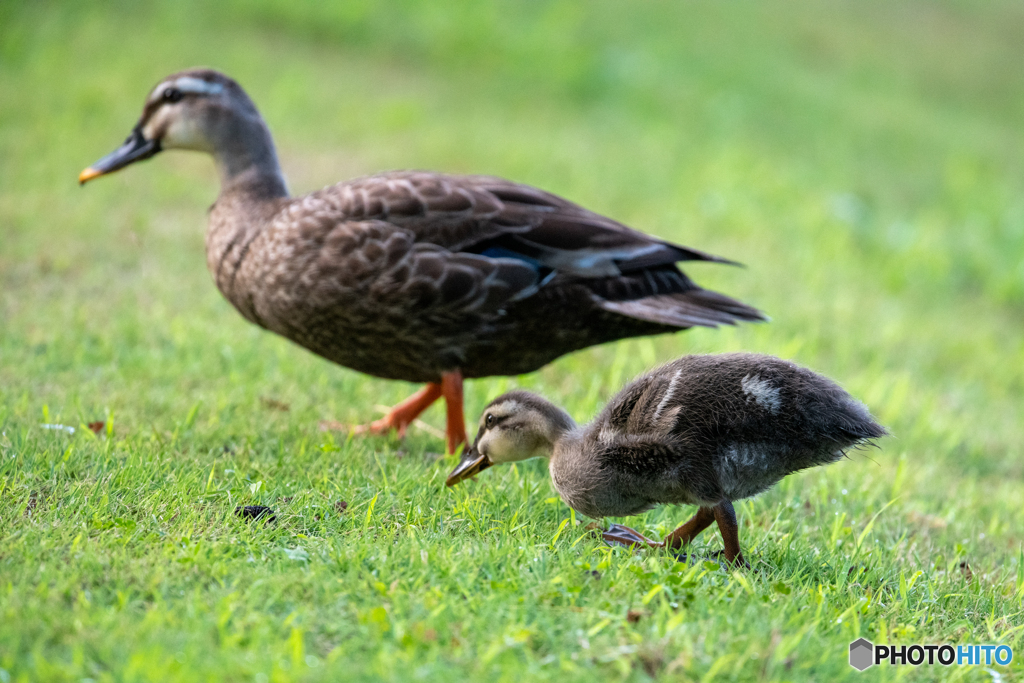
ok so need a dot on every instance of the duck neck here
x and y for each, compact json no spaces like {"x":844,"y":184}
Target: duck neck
{"x":247,"y":161}
{"x":558,"y":425}
{"x":252,"y":191}
{"x":565,"y":443}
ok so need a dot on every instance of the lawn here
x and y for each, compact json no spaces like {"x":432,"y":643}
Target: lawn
{"x":865,"y":160}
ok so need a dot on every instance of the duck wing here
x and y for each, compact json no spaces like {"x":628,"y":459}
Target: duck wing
{"x":626,"y":271}
{"x":481,"y":213}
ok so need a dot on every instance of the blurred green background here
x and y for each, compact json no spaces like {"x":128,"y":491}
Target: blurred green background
{"x":865,"y":160}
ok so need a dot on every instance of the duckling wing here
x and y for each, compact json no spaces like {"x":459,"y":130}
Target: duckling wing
{"x":647,"y":406}
{"x":635,"y":442}
{"x":648,"y":470}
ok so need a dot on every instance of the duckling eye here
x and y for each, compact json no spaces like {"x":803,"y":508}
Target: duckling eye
{"x":172,"y":95}
{"x":489,"y":421}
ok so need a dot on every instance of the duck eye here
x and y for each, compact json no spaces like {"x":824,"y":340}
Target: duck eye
{"x":489,"y":420}
{"x":172,"y":95}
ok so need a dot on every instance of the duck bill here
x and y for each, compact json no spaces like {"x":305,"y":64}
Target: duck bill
{"x":135,"y":148}
{"x":472,"y":463}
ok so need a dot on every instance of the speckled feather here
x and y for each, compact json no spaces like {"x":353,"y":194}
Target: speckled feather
{"x":388,"y":275}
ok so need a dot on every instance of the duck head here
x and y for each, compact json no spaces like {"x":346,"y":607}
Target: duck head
{"x":515,"y":426}
{"x":200,"y":110}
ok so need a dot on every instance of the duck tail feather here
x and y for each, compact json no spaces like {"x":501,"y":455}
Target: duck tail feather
{"x":864,"y":431}
{"x":698,"y":307}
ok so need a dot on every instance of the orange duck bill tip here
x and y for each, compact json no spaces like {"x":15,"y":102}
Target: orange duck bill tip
{"x":88,"y":174}
{"x":135,"y":148}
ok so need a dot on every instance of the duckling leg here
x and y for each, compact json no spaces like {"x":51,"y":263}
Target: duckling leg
{"x":402,"y":415}
{"x":687,"y":532}
{"x":451,"y":389}
{"x":725,"y":515}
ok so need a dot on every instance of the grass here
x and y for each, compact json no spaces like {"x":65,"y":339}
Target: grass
{"x":864,"y":159}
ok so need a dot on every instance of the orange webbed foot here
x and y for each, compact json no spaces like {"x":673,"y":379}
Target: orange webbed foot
{"x":405,"y":413}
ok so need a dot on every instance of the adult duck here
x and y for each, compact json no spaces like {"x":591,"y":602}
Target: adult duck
{"x":416,"y":276}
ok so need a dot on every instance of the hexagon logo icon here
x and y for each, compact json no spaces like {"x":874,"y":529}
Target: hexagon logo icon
{"x":862,"y":653}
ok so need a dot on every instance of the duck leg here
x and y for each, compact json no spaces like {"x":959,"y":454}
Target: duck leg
{"x":725,"y":515}
{"x":677,"y":539}
{"x":687,"y":532}
{"x":401,"y":416}
{"x":451,"y":389}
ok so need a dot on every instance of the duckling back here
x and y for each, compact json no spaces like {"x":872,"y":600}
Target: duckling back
{"x":768,"y":418}
{"x":706,"y":428}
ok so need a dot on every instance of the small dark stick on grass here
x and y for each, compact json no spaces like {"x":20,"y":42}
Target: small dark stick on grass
{"x":274,"y":404}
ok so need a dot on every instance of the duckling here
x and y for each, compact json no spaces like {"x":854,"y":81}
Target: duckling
{"x":415,"y":276}
{"x":701,"y":430}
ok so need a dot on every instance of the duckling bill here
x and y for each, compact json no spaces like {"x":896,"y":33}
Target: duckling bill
{"x":701,"y":430}
{"x":410,"y":275}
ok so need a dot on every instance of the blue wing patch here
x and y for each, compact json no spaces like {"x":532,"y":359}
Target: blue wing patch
{"x":545,"y":272}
